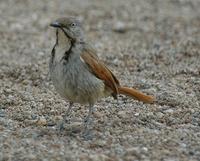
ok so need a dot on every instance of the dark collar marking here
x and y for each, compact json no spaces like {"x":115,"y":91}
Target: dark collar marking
{"x":68,"y":52}
{"x":53,"y":50}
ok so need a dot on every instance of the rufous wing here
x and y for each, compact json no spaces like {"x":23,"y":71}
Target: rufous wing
{"x":100,"y":70}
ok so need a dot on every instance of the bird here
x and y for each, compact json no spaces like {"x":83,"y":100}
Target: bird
{"x":78,"y":74}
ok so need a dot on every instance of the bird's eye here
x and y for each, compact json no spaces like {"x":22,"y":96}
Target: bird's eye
{"x":73,"y":24}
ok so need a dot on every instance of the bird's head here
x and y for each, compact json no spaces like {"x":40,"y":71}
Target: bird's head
{"x":71,"y":28}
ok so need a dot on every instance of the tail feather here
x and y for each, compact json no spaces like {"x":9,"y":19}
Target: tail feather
{"x":136,"y":94}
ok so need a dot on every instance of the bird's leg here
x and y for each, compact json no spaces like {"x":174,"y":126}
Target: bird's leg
{"x":87,"y":120}
{"x":68,"y":112}
{"x":65,"y":117}
{"x":87,"y":123}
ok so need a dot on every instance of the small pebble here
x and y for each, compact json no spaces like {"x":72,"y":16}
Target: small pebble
{"x":169,"y":111}
{"x":41,"y":121}
{"x":137,"y":114}
{"x":2,"y":113}
{"x":122,"y":114}
{"x":120,"y":27}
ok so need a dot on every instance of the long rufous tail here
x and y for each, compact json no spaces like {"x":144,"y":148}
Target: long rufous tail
{"x":136,"y":94}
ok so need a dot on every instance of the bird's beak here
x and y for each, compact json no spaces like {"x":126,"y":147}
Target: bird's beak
{"x":55,"y":24}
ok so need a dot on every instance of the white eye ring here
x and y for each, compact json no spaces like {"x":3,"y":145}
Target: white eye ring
{"x":73,"y":24}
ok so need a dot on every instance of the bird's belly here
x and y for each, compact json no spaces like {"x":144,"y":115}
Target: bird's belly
{"x":76,"y":83}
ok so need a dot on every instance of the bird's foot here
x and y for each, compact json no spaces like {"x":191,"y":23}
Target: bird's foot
{"x":61,"y":124}
{"x":87,"y":132}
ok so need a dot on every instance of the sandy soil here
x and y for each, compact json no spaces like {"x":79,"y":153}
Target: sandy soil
{"x":152,"y":45}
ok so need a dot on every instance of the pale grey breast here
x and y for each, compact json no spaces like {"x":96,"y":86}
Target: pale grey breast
{"x":74,"y":81}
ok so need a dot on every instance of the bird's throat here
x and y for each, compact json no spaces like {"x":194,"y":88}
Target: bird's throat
{"x":63,"y":45}
{"x":62,"y":39}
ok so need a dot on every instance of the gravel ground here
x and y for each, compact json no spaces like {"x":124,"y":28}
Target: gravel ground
{"x":152,"y":45}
